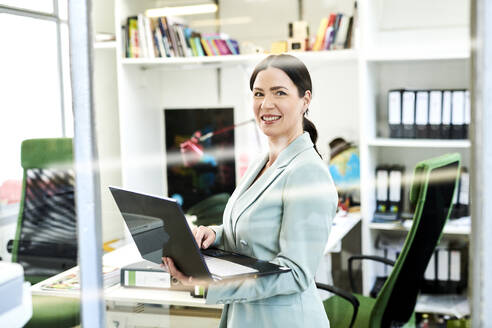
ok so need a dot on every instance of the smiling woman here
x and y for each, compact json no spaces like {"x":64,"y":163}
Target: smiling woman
{"x":281,"y":211}
{"x":282,"y":91}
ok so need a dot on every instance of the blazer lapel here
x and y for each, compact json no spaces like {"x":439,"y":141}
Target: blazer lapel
{"x":247,"y":196}
{"x":243,"y":185}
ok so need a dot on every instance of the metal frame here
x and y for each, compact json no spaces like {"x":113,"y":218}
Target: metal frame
{"x":481,"y":173}
{"x":54,"y":17}
{"x":87,"y":190}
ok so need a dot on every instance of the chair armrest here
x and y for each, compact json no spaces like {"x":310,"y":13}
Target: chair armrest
{"x":10,"y":245}
{"x":364,"y":257}
{"x":343,"y":294}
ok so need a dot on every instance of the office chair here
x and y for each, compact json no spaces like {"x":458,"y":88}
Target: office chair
{"x":433,"y":186}
{"x":210,"y":210}
{"x":45,"y":242}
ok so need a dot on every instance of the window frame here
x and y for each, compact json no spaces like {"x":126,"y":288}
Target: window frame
{"x":55,"y":17}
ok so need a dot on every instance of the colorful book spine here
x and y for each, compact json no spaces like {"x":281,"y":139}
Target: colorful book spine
{"x":206,"y":47}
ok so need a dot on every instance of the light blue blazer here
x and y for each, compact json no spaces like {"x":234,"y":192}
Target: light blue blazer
{"x":284,"y":217}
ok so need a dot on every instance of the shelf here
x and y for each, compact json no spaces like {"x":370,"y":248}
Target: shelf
{"x":453,"y":305}
{"x":105,"y":45}
{"x":400,"y":55}
{"x":449,"y":229}
{"x":419,"y":143}
{"x":312,"y":56}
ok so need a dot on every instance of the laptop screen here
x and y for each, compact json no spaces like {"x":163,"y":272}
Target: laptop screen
{"x":159,"y":228}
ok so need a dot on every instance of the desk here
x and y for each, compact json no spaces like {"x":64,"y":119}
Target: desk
{"x":128,"y":307}
{"x":342,"y":225}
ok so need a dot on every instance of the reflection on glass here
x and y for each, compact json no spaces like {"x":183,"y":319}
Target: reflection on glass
{"x":30,"y":87}
{"x":45,"y":6}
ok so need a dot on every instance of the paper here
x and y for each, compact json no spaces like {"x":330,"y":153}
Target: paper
{"x":395,"y":186}
{"x":464,"y":188}
{"x":458,"y":112}
{"x":382,"y":185}
{"x":408,"y":108}
{"x":446,"y":108}
{"x":422,"y":108}
{"x":435,"y":107}
{"x":394,"y":107}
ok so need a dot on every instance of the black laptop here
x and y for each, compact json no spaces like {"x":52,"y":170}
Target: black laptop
{"x":159,"y":228}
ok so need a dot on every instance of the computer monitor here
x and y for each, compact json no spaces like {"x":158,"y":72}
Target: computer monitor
{"x":191,"y":176}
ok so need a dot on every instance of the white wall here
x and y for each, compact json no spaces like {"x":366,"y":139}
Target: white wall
{"x":107,"y":121}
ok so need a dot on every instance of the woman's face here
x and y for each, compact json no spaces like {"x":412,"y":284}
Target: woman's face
{"x":277,"y":106}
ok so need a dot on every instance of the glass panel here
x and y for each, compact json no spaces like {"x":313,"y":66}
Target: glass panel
{"x":67,"y":90}
{"x":45,"y":6}
{"x":30,"y":88}
{"x":63,"y":9}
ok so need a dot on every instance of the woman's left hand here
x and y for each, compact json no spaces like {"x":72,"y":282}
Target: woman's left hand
{"x":184,"y":279}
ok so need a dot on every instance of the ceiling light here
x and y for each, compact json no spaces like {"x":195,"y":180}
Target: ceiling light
{"x":181,"y":11}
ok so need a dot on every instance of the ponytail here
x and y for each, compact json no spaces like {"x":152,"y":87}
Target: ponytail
{"x":309,"y":127}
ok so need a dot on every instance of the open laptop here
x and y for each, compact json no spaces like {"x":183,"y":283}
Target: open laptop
{"x":159,"y":228}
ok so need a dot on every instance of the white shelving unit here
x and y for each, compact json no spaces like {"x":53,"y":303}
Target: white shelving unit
{"x":449,"y":229}
{"x":419,"y":143}
{"x":314,"y":58}
{"x":403,"y":48}
{"x":398,"y":44}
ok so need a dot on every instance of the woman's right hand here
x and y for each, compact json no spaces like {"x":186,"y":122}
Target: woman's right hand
{"x":204,"y":236}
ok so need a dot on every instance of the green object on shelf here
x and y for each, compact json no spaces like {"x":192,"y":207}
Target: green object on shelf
{"x":433,"y":187}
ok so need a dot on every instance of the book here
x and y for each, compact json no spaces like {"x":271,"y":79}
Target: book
{"x":222,"y":47}
{"x":132,"y":27}
{"x":149,"y":38}
{"x":341,"y":33}
{"x":329,"y":33}
{"x":233,"y":45}
{"x":320,"y":35}
{"x":71,"y":281}
{"x":142,"y":41}
{"x":206,"y":47}
{"x":158,"y":39}
{"x":336,"y":27}
{"x":166,"y":37}
{"x":198,"y":45}
{"x":144,"y":274}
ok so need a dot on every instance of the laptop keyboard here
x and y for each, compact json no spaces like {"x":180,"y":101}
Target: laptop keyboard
{"x":224,"y":268}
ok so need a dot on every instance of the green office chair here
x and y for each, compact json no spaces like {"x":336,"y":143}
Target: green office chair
{"x":434,"y":184}
{"x":45,"y":242}
{"x":210,"y":210}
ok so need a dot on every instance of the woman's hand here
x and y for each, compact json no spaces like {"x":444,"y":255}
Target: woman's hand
{"x":185,"y":280}
{"x":204,"y":236}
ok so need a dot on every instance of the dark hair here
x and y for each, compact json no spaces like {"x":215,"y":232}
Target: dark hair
{"x":299,"y":74}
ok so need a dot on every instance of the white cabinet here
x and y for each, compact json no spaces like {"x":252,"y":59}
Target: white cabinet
{"x":413,"y":45}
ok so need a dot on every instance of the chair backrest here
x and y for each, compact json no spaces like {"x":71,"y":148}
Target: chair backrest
{"x":433,"y":187}
{"x":46,"y":237}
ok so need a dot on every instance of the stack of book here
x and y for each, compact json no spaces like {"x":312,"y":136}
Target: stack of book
{"x":334,"y":32}
{"x":71,"y":281}
{"x":148,"y":37}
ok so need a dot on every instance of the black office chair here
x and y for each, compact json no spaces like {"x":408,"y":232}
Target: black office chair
{"x":45,"y":242}
{"x":432,"y":190}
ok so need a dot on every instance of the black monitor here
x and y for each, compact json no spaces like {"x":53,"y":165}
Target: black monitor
{"x":192,"y":177}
